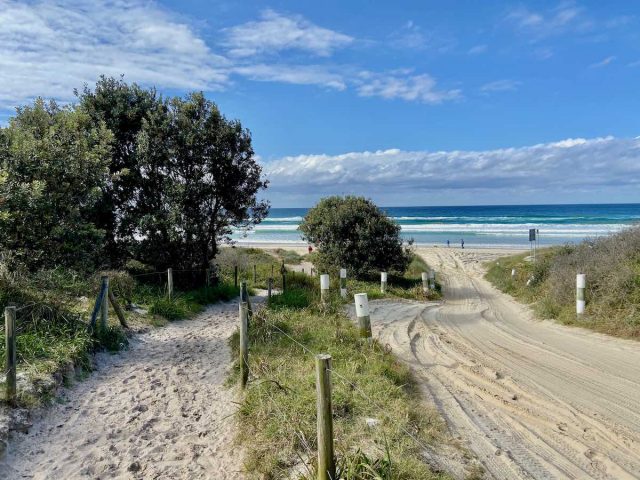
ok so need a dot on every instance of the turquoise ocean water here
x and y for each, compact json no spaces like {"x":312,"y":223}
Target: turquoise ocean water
{"x":497,"y":226}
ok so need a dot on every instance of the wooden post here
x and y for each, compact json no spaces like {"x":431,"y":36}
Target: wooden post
{"x":255,"y":274}
{"x":343,"y":282}
{"x":269,"y":287}
{"x":362,"y":314}
{"x":581,"y":283}
{"x":117,"y":309}
{"x":170,"y":282}
{"x":432,"y":279}
{"x":235,"y":276}
{"x":208,"y":274}
{"x":283,"y":270}
{"x":383,"y":282}
{"x":10,"y":347}
{"x":324,"y":288}
{"x":244,"y":344}
{"x":272,"y":270}
{"x":104,"y":314}
{"x":425,"y":282}
{"x":326,"y":460}
{"x":243,"y":291}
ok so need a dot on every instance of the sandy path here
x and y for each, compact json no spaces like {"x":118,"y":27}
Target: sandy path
{"x":532,"y":399}
{"x":158,"y":410}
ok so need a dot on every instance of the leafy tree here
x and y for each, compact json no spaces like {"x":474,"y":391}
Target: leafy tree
{"x":53,"y":164}
{"x":353,"y":232}
{"x":122,"y":108}
{"x":201,"y":180}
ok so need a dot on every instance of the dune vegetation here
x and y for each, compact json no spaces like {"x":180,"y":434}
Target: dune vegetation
{"x":612,"y":268}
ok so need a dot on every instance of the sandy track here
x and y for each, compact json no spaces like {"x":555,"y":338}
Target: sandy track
{"x":532,"y":399}
{"x":158,"y":410}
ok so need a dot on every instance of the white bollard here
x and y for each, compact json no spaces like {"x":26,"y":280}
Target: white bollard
{"x":343,"y":282}
{"x":383,"y":282}
{"x":362,"y":314}
{"x":581,"y":283}
{"x":432,"y":279}
{"x":324,"y":287}
{"x":425,"y":282}
{"x":513,"y":273}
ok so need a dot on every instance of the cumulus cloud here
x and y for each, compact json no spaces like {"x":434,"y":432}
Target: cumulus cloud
{"x":275,"y":32}
{"x":566,"y":166}
{"x":421,"y":88}
{"x":49,"y":47}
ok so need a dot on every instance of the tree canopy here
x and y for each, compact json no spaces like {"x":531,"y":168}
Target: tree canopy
{"x":353,"y":232}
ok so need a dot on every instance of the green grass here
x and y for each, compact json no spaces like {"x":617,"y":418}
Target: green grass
{"x":612,"y":267}
{"x":289,"y":256}
{"x":277,"y":423}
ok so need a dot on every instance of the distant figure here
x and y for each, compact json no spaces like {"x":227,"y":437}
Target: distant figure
{"x":462,"y":242}
{"x":448,"y":243}
{"x":310,"y":249}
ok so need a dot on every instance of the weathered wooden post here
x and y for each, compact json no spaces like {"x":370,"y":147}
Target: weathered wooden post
{"x":10,"y":348}
{"x":208,"y":274}
{"x":243,"y":291}
{"x":104,"y":312}
{"x":283,"y":271}
{"x":581,"y":283}
{"x":324,"y":288}
{"x":326,"y":460}
{"x":170,"y":282}
{"x":269,"y":287}
{"x":255,"y":274}
{"x":362,"y":314}
{"x":383,"y":282}
{"x":432,"y":279}
{"x":244,"y":344}
{"x":343,"y":282}
{"x":425,"y":282}
{"x":235,"y":276}
{"x":272,"y":270}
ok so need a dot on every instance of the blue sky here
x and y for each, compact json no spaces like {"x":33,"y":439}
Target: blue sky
{"x":407,"y":102}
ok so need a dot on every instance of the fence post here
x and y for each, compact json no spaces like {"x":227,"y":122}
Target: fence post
{"x":581,"y":283}
{"x":513,"y":273}
{"x":383,"y":282}
{"x":235,"y":276}
{"x":362,"y":314}
{"x":208,"y":274}
{"x":425,"y":282}
{"x":10,"y":338}
{"x":326,"y":461}
{"x":283,"y":270}
{"x":432,"y":279}
{"x":343,"y":282}
{"x":255,"y":274}
{"x":243,"y":291}
{"x":170,"y":282}
{"x":324,"y":288}
{"x":244,"y":343}
{"x":269,"y":287}
{"x":104,"y":313}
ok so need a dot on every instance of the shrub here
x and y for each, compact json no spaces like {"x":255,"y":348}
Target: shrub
{"x":353,"y":232}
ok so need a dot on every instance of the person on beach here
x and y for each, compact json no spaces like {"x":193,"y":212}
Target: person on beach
{"x":448,"y":243}
{"x":310,"y":249}
{"x":462,"y":243}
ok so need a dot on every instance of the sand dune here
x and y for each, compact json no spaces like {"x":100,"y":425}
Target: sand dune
{"x":158,"y":410}
{"x":531,"y":399}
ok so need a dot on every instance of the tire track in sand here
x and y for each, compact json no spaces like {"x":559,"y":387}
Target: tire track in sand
{"x":157,"y":410}
{"x":532,"y":399}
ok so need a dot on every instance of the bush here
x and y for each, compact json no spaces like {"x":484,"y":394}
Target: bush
{"x":353,"y":232}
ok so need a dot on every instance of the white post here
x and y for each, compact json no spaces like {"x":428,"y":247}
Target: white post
{"x":324,"y":287}
{"x":432,"y":279}
{"x":513,"y":273}
{"x":383,"y":282}
{"x":170,"y":282}
{"x":581,"y":283}
{"x":362,"y":314}
{"x":425,"y":282}
{"x":343,"y":282}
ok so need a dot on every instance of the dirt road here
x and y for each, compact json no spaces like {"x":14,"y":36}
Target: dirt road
{"x":157,"y":410}
{"x":532,"y":399}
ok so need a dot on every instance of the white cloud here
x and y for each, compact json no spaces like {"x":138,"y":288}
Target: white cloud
{"x":413,"y":37}
{"x":275,"y":32}
{"x":565,"y":166}
{"x":420,"y":88}
{"x":504,"y":85}
{"x":49,"y":47}
{"x":477,"y":49}
{"x":564,"y":18}
{"x":294,"y":74}
{"x":603,"y":63}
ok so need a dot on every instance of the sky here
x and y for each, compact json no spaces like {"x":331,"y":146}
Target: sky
{"x":405,"y":102}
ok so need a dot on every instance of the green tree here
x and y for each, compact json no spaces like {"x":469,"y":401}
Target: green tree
{"x":201,"y":181}
{"x":353,"y":232}
{"x":53,"y":166}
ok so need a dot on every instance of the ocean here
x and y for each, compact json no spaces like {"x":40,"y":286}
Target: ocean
{"x":485,"y":226}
